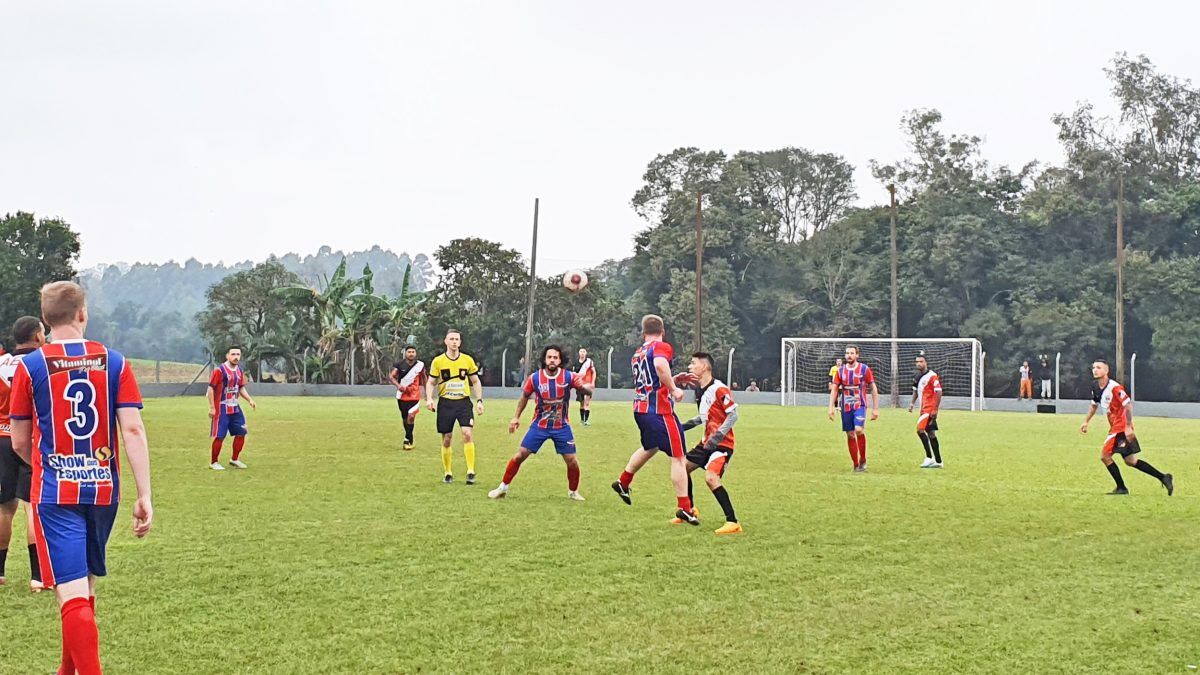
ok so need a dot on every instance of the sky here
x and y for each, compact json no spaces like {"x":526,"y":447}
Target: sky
{"x":227,"y":131}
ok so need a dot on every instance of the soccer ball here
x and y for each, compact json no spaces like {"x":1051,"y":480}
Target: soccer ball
{"x":575,"y":281}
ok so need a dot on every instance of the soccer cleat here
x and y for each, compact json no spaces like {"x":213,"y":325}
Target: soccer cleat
{"x":36,"y":586}
{"x":1119,"y":491}
{"x":586,"y":423}
{"x":1168,"y":481}
{"x":622,"y":492}
{"x":679,"y":521}
{"x":470,"y":479}
{"x":498,"y":493}
{"x":448,"y":479}
{"x":860,"y":468}
{"x":408,"y":446}
{"x":927,"y":463}
{"x":3,"y":581}
{"x":574,"y":495}
{"x":729,"y":528}
{"x":935,"y":465}
{"x":216,"y":466}
{"x":687,"y":517}
{"x":237,"y":463}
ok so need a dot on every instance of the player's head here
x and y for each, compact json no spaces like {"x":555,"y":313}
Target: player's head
{"x":921,"y":363}
{"x":29,"y":332}
{"x":840,"y":361}
{"x":551,"y":358}
{"x":410,"y":353}
{"x":851,"y":354}
{"x":234,"y":355}
{"x":453,"y":339}
{"x":582,"y":354}
{"x":652,"y":325}
{"x":1099,"y":369}
{"x":64,"y":303}
{"x":1025,"y":363}
{"x":702,"y":366}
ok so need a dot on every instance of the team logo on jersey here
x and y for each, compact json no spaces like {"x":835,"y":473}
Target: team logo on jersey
{"x":103,"y":454}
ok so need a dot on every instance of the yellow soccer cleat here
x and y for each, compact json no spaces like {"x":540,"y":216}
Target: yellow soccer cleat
{"x":729,"y":528}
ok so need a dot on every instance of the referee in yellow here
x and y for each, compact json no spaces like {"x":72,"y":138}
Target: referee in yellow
{"x":450,"y":374}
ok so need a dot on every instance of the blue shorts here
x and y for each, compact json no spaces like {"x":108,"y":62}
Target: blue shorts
{"x":564,"y":439}
{"x":229,"y":424}
{"x":854,"y":418}
{"x":661,"y":432}
{"x":71,"y":540}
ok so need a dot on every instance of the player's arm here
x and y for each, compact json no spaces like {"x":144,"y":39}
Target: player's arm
{"x":212,"y":401}
{"x":395,"y":382}
{"x":516,"y":420}
{"x":731,"y":418}
{"x":913,"y":402}
{"x":937,"y":399}
{"x":1130,"y":434}
{"x":874,"y":400}
{"x":430,"y":387}
{"x":477,"y":389}
{"x":22,"y":439}
{"x":833,"y":389}
{"x":1088,"y":420}
{"x":693,"y":423}
{"x":245,"y":393}
{"x":137,"y":452}
{"x":663,"y":368}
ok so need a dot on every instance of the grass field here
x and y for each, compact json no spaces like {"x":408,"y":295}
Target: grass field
{"x":167,"y":372}
{"x":337,"y":552}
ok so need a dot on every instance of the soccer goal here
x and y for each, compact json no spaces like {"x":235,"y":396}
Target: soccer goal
{"x":804,"y":365}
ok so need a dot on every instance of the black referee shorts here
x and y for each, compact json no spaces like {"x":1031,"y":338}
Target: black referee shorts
{"x":15,"y":475}
{"x":450,"y":411}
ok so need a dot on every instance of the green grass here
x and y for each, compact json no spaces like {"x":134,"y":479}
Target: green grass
{"x":168,"y":372}
{"x":336,"y":552}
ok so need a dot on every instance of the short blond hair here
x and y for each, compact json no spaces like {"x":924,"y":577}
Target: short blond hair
{"x":61,"y":302}
{"x":652,"y":324}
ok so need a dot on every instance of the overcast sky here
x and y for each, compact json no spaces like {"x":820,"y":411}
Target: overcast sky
{"x":231,"y":130}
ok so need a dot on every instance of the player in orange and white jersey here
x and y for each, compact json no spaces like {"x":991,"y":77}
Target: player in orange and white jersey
{"x":1112,"y":399}
{"x":927,"y":397}
{"x":586,"y":371}
{"x":718,"y":413}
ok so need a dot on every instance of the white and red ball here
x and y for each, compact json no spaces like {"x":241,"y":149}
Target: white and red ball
{"x":575,"y":281}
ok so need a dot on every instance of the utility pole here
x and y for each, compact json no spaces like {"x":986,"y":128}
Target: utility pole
{"x":1120,"y":356}
{"x":891,"y":188}
{"x":699,"y":273}
{"x":525,"y":369}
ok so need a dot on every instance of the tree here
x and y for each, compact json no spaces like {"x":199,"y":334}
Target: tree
{"x":33,"y":252}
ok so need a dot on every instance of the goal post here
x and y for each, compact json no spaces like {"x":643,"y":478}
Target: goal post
{"x":804,"y":365}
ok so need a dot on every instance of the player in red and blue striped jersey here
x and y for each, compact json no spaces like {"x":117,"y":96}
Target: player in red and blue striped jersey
{"x":73,"y":401}
{"x":225,"y":389}
{"x":551,"y":387}
{"x":849,"y":389}
{"x":654,"y":398}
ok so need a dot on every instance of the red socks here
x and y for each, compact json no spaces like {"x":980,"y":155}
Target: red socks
{"x":572,"y":477}
{"x":216,"y":449}
{"x":510,"y":472}
{"x":626,"y":479}
{"x":862,"y":449}
{"x":238,"y":442}
{"x":852,"y":444}
{"x":81,"y":639}
{"x":685,"y":503}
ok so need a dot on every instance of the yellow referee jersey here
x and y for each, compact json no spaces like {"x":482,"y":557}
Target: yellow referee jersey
{"x":453,"y":375}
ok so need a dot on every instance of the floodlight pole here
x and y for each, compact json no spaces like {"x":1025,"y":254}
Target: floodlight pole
{"x":699,"y":271}
{"x":532,"y":291}
{"x":1120,"y":357}
{"x":891,"y":188}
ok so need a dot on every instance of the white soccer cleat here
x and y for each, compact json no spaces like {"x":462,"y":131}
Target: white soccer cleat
{"x":935,"y":465}
{"x":927,"y":463}
{"x":216,"y":466}
{"x":574,"y":494}
{"x":498,"y":493}
{"x":36,"y":586}
{"x":237,"y":463}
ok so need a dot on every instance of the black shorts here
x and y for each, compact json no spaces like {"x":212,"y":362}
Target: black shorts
{"x":579,"y":395}
{"x":714,"y":460}
{"x":406,"y":406}
{"x":15,"y":475}
{"x":1118,"y":444}
{"x":450,"y":411}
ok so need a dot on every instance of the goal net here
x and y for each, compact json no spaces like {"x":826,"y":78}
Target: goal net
{"x":804,"y":365}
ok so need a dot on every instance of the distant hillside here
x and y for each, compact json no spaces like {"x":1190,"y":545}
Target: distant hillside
{"x":148,"y":311}
{"x":171,"y":287}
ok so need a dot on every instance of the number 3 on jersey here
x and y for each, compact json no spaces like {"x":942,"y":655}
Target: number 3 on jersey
{"x":82,"y":396}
